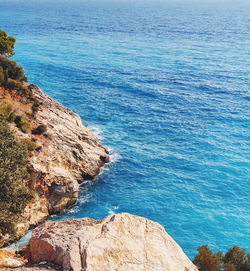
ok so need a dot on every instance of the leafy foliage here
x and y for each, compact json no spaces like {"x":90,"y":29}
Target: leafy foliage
{"x":14,"y":154}
{"x":206,"y":260}
{"x":2,"y":77}
{"x":12,"y":76}
{"x":235,"y":259}
{"x":237,"y":256}
{"x":6,"y":44}
{"x":40,"y":129}
{"x":13,"y":170}
{"x":22,"y":124}
{"x":7,"y":114}
{"x":5,"y":110}
{"x":31,"y":145}
{"x":10,"y":70}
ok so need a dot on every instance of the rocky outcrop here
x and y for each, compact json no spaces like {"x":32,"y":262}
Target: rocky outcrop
{"x":65,"y":155}
{"x":121,"y":242}
{"x":69,"y":153}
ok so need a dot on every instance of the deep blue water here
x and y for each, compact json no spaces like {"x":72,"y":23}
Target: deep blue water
{"x":166,"y":86}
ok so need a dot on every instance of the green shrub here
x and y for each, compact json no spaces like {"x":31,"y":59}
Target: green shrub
{"x":12,"y":84}
{"x":18,"y":119}
{"x":6,"y":44}
{"x":22,"y":124}
{"x":7,"y":225}
{"x":11,"y":75}
{"x":31,"y":145}
{"x":206,"y":260}
{"x":237,"y":256}
{"x":235,"y":259}
{"x":35,"y":108}
{"x":5,"y":110}
{"x":11,"y":70}
{"x":40,"y":130}
{"x":2,"y":77}
{"x":12,"y":117}
{"x":14,"y":195}
{"x":18,"y":86}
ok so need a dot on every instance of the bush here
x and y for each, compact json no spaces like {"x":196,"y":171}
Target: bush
{"x":11,"y":75}
{"x":22,"y":124}
{"x":35,"y":107}
{"x":18,"y":86}
{"x":31,"y":145}
{"x":11,"y":70}
{"x":238,"y":258}
{"x":206,"y":260}
{"x":6,"y":44}
{"x":12,"y":117}
{"x":13,"y":169}
{"x":40,"y":130}
{"x":2,"y":77}
{"x":235,"y":259}
{"x":5,"y":110}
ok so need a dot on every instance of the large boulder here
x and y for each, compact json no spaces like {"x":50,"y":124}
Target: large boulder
{"x":120,"y":242}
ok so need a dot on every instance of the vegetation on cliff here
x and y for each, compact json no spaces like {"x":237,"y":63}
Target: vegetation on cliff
{"x":6,"y":44}
{"x":14,"y":153}
{"x":12,"y":76}
{"x":235,"y":259}
{"x":47,"y":153}
{"x":14,"y":161}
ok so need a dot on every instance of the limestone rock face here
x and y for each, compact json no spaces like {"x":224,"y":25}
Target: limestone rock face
{"x":65,"y":155}
{"x":69,"y":153}
{"x":120,"y":242}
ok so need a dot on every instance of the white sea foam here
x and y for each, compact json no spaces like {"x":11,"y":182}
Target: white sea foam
{"x":113,"y":210}
{"x":114,"y":157}
{"x":73,"y":210}
{"x":97,"y":131}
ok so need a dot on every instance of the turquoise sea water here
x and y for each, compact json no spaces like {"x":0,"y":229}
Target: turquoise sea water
{"x":166,"y":87}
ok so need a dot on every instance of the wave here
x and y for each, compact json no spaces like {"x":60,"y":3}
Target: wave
{"x":113,"y":210}
{"x":97,"y":131}
{"x":114,"y":156}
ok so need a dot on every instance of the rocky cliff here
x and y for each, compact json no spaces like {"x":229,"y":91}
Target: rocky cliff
{"x":121,"y":242}
{"x":65,"y":155}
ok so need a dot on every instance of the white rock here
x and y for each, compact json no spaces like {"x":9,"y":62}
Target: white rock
{"x":120,"y":242}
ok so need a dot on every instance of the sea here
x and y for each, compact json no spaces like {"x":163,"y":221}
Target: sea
{"x":165,"y":85}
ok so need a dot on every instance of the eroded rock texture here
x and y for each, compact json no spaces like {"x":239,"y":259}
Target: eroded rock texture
{"x":120,"y":242}
{"x":66,"y":155}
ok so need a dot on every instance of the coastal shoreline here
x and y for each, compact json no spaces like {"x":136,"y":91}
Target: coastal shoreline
{"x":65,"y":155}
